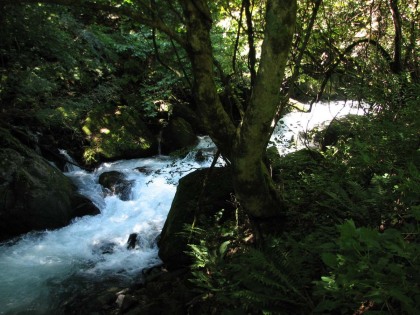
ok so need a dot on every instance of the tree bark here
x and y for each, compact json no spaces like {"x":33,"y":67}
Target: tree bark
{"x":215,"y":119}
{"x":253,"y":185}
{"x":245,"y":145}
{"x":396,"y":65}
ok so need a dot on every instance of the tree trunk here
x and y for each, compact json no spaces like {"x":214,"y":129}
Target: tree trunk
{"x":253,"y":185}
{"x":216,"y":121}
{"x":245,"y":146}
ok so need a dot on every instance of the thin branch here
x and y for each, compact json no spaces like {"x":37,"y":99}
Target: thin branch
{"x":181,"y":64}
{"x":302,"y":49}
{"x":250,"y":32}
{"x":396,"y":65}
{"x":298,"y":61}
{"x":235,"y":49}
{"x":342,"y":57}
{"x":175,"y":11}
{"x":156,"y":49}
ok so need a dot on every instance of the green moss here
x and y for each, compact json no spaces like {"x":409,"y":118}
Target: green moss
{"x":117,"y":132}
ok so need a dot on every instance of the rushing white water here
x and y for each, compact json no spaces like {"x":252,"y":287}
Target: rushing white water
{"x":34,"y":267}
{"x":286,"y":135}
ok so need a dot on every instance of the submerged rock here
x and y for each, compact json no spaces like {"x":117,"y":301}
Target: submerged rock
{"x":144,"y":170}
{"x":104,"y":247}
{"x":34,"y":195}
{"x":116,"y":184}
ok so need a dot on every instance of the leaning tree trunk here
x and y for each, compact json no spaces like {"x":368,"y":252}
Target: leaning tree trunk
{"x":245,"y":145}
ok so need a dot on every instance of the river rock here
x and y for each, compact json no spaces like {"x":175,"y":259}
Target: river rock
{"x":186,"y":112}
{"x":328,"y":133}
{"x":174,"y":239}
{"x":118,"y":134}
{"x":116,"y":184}
{"x":178,"y":134}
{"x":132,"y":241}
{"x":33,"y":194}
{"x":104,"y":247}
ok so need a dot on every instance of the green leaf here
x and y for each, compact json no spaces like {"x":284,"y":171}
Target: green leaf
{"x":370,"y":237}
{"x":223,"y":247}
{"x":329,"y":259}
{"x":416,"y":212}
{"x":348,"y":229}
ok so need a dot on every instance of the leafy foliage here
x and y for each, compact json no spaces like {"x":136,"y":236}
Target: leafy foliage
{"x":65,"y":65}
{"x":379,"y":269}
{"x":312,"y":267}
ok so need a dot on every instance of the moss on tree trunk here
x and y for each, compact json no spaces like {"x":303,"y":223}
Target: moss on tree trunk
{"x":246,"y":144}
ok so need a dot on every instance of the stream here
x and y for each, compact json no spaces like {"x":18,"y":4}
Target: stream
{"x":39,"y":268}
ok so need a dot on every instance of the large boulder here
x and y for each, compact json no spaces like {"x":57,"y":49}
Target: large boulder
{"x":329,"y":133}
{"x":191,"y":204}
{"x":117,"y":133}
{"x":178,"y":134}
{"x":34,"y":195}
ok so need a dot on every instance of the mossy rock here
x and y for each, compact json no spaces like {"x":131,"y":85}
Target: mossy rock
{"x":344,"y":128}
{"x":178,"y":134}
{"x":33,"y":194}
{"x":118,"y":133}
{"x":184,"y":111}
{"x":186,"y":206}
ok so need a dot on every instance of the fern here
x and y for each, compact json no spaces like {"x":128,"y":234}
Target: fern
{"x":273,"y":282}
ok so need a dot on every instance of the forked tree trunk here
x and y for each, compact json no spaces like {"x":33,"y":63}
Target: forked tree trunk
{"x":252,"y":182}
{"x":245,"y":145}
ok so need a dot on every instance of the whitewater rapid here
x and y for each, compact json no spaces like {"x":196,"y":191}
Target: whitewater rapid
{"x":34,"y":267}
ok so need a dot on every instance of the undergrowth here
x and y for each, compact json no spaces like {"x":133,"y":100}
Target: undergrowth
{"x":350,"y":244}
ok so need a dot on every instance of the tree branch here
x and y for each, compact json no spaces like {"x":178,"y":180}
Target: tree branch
{"x":252,"y":59}
{"x":127,"y":11}
{"x":235,"y":49}
{"x":396,"y":65}
{"x":341,"y":58}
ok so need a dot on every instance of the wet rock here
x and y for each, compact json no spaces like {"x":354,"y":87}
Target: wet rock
{"x":116,"y":184}
{"x":144,"y":170}
{"x":145,"y":240}
{"x":199,"y":156}
{"x":132,"y":241}
{"x":83,"y":206}
{"x":126,"y":302}
{"x":104,"y":247}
